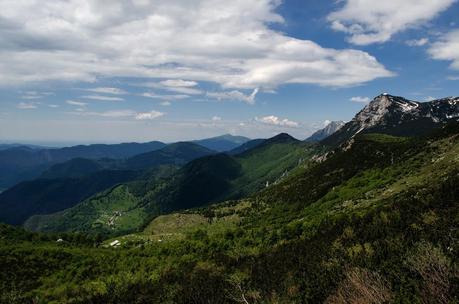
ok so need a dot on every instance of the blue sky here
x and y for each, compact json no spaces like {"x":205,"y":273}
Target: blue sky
{"x":113,"y":71}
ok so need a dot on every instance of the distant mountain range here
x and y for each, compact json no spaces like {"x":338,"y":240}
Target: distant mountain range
{"x":365,"y":215}
{"x":247,"y":168}
{"x":66,"y":184}
{"x":23,"y":162}
{"x":222,"y":143}
{"x":207,"y":179}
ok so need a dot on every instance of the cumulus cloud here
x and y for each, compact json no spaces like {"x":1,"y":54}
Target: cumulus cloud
{"x":76,"y":103}
{"x":234,"y":95}
{"x":148,"y":115}
{"x":276,"y":121}
{"x":446,"y":48}
{"x":27,"y":105}
{"x":216,"y":118}
{"x":360,"y":99}
{"x":102,"y":97}
{"x":417,"y":42}
{"x":105,"y":90}
{"x":165,"y":103}
{"x":368,"y":21}
{"x":228,"y":43}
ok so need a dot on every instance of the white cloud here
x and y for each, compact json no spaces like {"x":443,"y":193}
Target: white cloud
{"x":429,"y":98}
{"x":417,"y":42}
{"x":452,"y":77}
{"x":234,"y":95}
{"x":175,"y":85}
{"x":165,"y":103}
{"x":225,"y":42}
{"x":149,"y":115}
{"x":35,"y":95}
{"x":276,"y":121}
{"x":369,"y":21}
{"x":360,"y":99}
{"x":102,"y":97}
{"x":216,"y":118}
{"x":118,"y":113}
{"x":27,"y":105}
{"x":178,"y":83}
{"x":106,"y":90}
{"x":164,"y":96}
{"x":108,"y":114}
{"x":76,"y":103}
{"x":53,"y":106}
{"x":447,"y":48}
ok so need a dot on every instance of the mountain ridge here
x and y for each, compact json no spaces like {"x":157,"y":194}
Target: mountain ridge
{"x":398,"y":116}
{"x":328,"y":130}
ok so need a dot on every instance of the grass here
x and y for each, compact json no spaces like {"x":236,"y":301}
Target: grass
{"x":177,"y":226}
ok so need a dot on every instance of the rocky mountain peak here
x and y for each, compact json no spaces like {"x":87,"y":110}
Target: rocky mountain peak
{"x":398,"y":116}
{"x":384,"y":107}
{"x":328,"y":130}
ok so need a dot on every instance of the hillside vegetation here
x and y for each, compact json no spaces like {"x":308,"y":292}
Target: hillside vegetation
{"x":205,"y":180}
{"x":374,"y":223}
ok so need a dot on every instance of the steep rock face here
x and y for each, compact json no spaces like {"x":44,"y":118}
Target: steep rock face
{"x":398,"y":116}
{"x":329,"y":129}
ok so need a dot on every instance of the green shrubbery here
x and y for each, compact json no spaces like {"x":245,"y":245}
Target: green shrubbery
{"x":374,"y":224}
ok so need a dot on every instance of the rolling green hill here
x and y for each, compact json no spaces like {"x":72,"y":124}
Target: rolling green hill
{"x":374,"y":223}
{"x":66,"y":184}
{"x":43,"y":196}
{"x":24,"y":163}
{"x":174,"y":154}
{"x":205,"y":180}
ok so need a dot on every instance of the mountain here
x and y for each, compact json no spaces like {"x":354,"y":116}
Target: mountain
{"x":204,"y":180}
{"x":398,"y":116}
{"x":9,"y":146}
{"x":174,"y":154}
{"x":246,"y":146}
{"x":65,"y":184}
{"x":43,"y":196}
{"x":22,"y":163}
{"x":74,"y":168}
{"x":282,"y":138}
{"x":329,"y":129}
{"x":374,"y":223}
{"x":222,"y":143}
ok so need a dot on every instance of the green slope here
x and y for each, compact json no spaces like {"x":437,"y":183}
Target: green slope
{"x":66,"y":184}
{"x":209,"y":179}
{"x":377,"y":223}
{"x":44,"y":196}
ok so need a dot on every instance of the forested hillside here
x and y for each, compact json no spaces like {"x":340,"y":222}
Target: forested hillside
{"x":205,"y":180}
{"x":374,"y":223}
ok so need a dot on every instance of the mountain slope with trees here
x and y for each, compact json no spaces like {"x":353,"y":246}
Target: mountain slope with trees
{"x":375,"y":223}
{"x":202,"y":181}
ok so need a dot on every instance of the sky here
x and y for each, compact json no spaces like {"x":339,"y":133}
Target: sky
{"x":86,"y":71}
